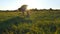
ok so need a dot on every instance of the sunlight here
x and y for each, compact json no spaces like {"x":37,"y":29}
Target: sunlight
{"x":31,"y":3}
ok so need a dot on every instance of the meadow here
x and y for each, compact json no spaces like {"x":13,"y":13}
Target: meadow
{"x":38,"y":22}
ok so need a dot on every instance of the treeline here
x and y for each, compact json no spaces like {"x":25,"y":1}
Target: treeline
{"x":45,"y":9}
{"x":32,"y":10}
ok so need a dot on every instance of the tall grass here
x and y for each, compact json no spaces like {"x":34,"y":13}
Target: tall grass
{"x":39,"y":22}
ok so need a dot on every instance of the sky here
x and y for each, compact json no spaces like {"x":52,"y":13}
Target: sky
{"x":39,"y":4}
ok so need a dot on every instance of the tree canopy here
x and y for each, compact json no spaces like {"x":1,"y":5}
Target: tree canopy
{"x":22,"y":8}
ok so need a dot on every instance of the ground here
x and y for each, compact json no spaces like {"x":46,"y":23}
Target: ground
{"x":38,"y":22}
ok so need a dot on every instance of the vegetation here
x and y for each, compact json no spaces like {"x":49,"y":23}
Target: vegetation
{"x":36,"y":22}
{"x":39,"y":22}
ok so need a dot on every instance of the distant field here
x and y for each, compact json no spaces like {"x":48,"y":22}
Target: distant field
{"x":39,"y":22}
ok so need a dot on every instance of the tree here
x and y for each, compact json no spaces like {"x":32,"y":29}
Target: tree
{"x":50,"y":9}
{"x":23,"y":8}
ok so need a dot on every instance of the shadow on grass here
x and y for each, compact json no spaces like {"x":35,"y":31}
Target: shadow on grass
{"x":15,"y":20}
{"x":6,"y":25}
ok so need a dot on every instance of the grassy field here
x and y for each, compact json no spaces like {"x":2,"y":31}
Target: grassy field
{"x":38,"y":22}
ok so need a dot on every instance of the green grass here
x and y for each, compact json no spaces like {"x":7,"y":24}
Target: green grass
{"x":39,"y":22}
